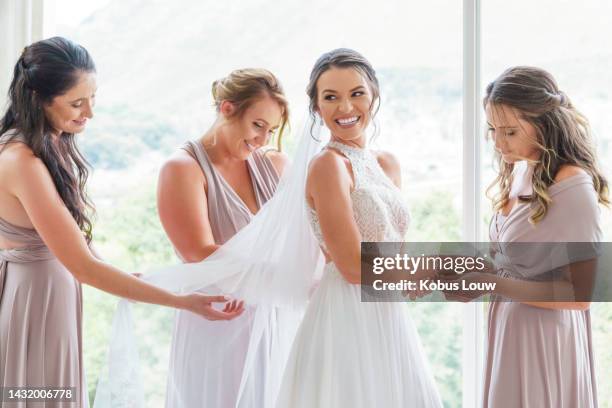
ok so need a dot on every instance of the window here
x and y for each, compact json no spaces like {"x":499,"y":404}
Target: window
{"x":156,"y":64}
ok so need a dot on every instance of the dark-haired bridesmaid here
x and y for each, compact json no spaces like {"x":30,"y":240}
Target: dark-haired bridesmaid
{"x":45,"y":229}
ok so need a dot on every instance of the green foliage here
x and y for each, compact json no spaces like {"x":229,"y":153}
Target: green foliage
{"x":440,"y":326}
{"x":434,"y":219}
{"x":119,"y":137}
{"x":129,"y":235}
{"x":98,"y":310}
{"x":601,"y":313}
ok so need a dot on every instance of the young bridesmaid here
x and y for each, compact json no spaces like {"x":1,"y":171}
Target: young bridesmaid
{"x":45,"y":229}
{"x":540,"y":351}
{"x":208,"y":191}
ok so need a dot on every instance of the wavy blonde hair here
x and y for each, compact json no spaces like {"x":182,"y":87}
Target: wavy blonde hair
{"x":563,"y":136}
{"x":243,"y":87}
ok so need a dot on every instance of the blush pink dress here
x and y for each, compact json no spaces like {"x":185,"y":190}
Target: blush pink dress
{"x":208,"y":377}
{"x":41,"y":313}
{"x":541,"y":357}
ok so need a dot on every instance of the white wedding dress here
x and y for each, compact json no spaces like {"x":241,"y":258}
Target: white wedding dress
{"x":348,"y":353}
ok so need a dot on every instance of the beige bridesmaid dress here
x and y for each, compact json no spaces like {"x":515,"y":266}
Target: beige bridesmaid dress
{"x":542,"y":358}
{"x":40,"y":320}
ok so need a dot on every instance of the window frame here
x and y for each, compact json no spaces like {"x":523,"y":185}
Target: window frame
{"x":472,"y":336}
{"x":473,"y":315}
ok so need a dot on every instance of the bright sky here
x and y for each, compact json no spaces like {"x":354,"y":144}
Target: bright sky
{"x":72,"y":12}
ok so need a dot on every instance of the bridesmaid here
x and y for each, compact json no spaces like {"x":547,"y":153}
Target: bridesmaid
{"x":209,"y":190}
{"x":540,"y":351}
{"x":45,"y":229}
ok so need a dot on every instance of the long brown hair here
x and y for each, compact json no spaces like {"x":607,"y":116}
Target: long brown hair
{"x":47,"y":69}
{"x":245,"y":86}
{"x":563,"y":136}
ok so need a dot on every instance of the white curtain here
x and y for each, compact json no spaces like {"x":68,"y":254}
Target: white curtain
{"x":21,"y":23}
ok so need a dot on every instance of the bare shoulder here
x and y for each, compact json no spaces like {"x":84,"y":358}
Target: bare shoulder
{"x":181,"y":164}
{"x":329,"y":167}
{"x":15,"y":150}
{"x":18,"y":158}
{"x":279,"y":160}
{"x":328,"y":173}
{"x":568,"y":170}
{"x":328,"y":162}
{"x":390,"y":165}
{"x":387,"y":160}
{"x":22,"y":172}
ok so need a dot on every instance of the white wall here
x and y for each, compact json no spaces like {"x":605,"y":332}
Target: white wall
{"x":21,"y":23}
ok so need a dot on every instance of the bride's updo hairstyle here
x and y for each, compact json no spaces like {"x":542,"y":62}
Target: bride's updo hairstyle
{"x":563,"y":135}
{"x":243,"y":87}
{"x":343,"y":58}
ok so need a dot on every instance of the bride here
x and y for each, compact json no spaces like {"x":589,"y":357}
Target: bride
{"x":348,"y":353}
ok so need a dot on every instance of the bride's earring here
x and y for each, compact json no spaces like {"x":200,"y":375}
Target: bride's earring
{"x":376,"y":128}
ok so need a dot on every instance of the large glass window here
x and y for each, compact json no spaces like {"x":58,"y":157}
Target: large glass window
{"x":156,"y":63}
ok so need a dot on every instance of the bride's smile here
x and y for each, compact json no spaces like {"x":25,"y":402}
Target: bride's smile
{"x":344,"y":104}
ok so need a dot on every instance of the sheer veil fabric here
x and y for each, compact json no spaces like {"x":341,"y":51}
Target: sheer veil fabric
{"x":273,"y":263}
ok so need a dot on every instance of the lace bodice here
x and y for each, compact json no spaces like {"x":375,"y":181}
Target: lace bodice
{"x":380,"y":212}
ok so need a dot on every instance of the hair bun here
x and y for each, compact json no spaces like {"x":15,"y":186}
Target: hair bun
{"x":214,"y":88}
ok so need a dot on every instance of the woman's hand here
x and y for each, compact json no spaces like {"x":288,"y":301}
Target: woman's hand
{"x":234,"y":306}
{"x":420,"y":275}
{"x":202,"y":305}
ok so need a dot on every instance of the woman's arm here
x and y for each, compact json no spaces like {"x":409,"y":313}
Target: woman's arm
{"x":581,"y":274}
{"x":582,"y":281}
{"x":328,"y":189}
{"x":183,"y":208}
{"x":32,"y":185}
{"x":183,"y":205}
{"x":545,"y":295}
{"x":560,"y":305}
